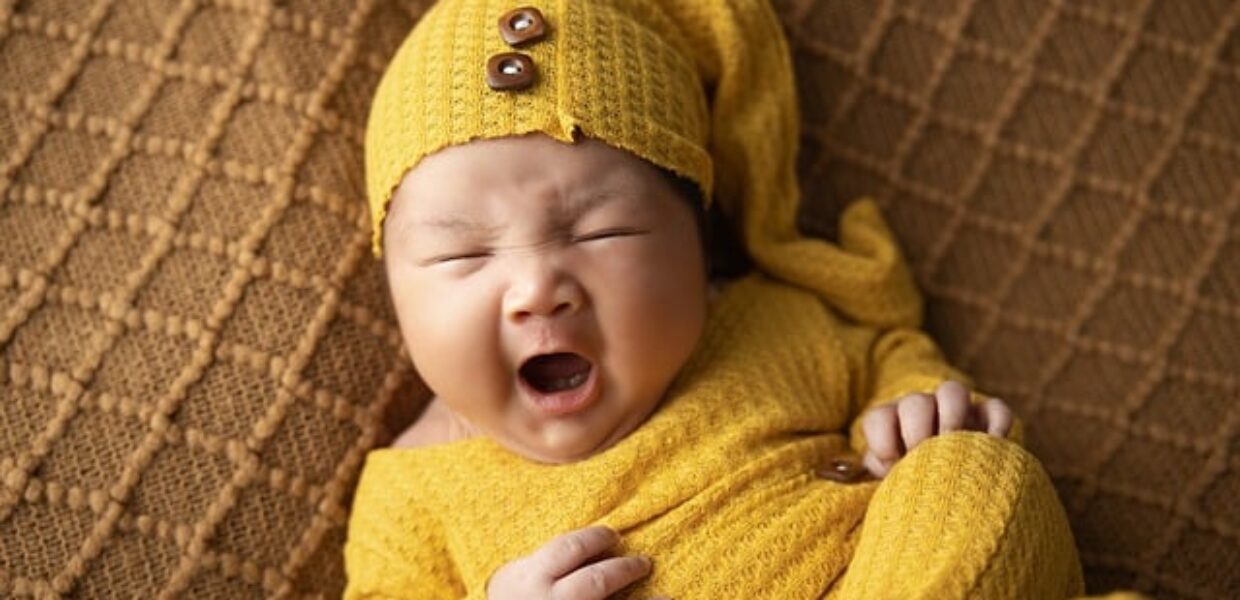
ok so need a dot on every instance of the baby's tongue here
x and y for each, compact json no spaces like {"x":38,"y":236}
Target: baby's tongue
{"x":555,"y":372}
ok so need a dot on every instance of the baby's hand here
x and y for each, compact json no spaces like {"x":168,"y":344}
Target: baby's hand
{"x":555,"y":570}
{"x":893,"y":429}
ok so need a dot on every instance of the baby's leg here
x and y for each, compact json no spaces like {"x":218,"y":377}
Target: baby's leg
{"x":964,"y":515}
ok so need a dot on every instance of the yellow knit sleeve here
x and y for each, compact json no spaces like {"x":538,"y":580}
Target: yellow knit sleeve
{"x":865,"y":280}
{"x":395,"y":548}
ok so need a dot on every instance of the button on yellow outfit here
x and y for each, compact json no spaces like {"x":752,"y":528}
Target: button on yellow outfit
{"x":843,"y":470}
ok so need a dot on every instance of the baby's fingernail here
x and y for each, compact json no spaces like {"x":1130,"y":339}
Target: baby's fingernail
{"x":643,"y":565}
{"x":609,"y":533}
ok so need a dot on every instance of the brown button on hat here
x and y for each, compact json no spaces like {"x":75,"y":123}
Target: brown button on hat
{"x":522,"y":25}
{"x":510,"y":71}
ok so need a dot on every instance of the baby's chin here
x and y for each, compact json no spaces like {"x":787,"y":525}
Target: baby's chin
{"x":568,"y":443}
{"x":558,"y":453}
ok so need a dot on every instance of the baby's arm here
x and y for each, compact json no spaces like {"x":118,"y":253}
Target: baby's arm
{"x":903,"y":399}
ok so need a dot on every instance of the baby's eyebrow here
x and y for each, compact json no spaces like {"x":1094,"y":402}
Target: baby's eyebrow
{"x":457,"y":225}
{"x":403,"y":228}
{"x":580,"y":204}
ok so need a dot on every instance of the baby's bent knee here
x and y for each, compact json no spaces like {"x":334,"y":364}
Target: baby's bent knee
{"x":980,"y":460}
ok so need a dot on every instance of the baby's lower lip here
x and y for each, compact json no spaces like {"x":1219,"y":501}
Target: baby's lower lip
{"x":563,"y":402}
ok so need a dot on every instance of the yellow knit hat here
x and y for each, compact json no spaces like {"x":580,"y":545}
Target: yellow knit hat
{"x":701,"y":88}
{"x":616,"y":70}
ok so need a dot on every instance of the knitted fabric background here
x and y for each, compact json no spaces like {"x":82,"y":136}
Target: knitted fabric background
{"x":196,"y":349}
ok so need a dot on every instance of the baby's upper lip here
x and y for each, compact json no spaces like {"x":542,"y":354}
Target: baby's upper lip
{"x":554,"y":345}
{"x":556,"y":349}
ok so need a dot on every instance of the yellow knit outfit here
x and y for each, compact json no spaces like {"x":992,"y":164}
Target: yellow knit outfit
{"x":718,"y":485}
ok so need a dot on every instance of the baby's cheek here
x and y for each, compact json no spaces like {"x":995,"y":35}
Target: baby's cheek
{"x":451,"y":340}
{"x":654,"y":331}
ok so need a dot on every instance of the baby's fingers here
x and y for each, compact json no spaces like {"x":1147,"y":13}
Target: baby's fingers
{"x":918,"y":418}
{"x":601,"y":579}
{"x":882,"y":435}
{"x":953,"y":404}
{"x":995,"y":417}
{"x":565,"y":553}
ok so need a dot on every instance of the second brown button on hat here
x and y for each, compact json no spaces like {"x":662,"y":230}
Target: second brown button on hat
{"x":510,"y":71}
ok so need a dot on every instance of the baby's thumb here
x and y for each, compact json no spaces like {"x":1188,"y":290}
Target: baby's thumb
{"x":875,"y":466}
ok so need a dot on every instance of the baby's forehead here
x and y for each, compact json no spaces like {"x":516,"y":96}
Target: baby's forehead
{"x":467,"y":173}
{"x":563,"y":207}
{"x":532,"y":155}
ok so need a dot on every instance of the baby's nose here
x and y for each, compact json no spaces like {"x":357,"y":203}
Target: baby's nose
{"x":542,"y":292}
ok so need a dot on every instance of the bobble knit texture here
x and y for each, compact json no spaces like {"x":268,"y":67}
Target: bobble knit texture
{"x":718,"y":485}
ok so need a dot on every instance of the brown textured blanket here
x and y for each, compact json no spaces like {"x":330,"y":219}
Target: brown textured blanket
{"x":196,"y":349}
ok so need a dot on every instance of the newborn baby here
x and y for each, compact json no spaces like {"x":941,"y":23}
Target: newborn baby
{"x":608,"y":424}
{"x":551,"y":308}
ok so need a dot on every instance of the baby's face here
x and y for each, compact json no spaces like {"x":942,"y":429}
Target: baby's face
{"x":548,"y":293}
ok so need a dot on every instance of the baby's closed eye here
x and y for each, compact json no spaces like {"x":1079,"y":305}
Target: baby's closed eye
{"x":614,"y":232}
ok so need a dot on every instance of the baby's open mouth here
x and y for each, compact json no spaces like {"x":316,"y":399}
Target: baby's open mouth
{"x":549,"y":373}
